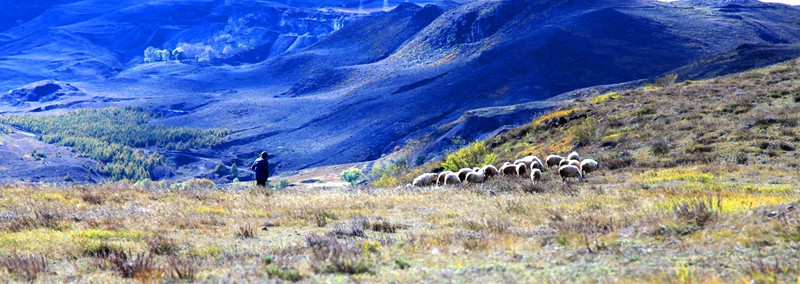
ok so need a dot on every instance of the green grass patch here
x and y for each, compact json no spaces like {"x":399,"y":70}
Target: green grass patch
{"x":675,"y":174}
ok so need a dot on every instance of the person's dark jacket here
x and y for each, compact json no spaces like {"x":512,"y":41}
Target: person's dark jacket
{"x":261,"y":167}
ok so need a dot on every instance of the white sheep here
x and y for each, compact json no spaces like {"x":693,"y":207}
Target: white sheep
{"x":475,"y":177}
{"x":574,"y":156}
{"x":588,"y":166}
{"x":508,"y":169}
{"x":425,"y":180}
{"x":537,"y":165}
{"x":527,"y":160}
{"x":489,"y":171}
{"x":569,"y":162}
{"x":570,"y":171}
{"x":522,"y":170}
{"x":440,"y":178}
{"x":536,"y":159}
{"x":462,"y":173}
{"x":452,"y":179}
{"x":553,"y":160}
{"x":536,"y":175}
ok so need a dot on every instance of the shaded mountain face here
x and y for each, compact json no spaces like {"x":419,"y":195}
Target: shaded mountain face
{"x":325,"y":86}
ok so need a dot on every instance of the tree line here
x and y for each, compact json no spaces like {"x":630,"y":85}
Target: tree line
{"x":115,"y":137}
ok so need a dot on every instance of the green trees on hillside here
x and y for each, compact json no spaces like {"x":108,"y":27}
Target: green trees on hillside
{"x":152,"y":54}
{"x":474,"y":154}
{"x":115,"y":137}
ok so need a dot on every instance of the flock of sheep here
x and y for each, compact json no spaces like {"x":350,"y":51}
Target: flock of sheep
{"x":529,"y":166}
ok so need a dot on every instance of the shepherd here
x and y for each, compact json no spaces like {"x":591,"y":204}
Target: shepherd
{"x":261,"y":168}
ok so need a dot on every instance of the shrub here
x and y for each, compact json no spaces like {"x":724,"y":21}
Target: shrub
{"x":351,"y":229}
{"x":666,"y":81}
{"x":162,"y":246}
{"x":696,"y":214}
{"x":387,"y":176}
{"x":42,"y":218}
{"x":284,"y":183}
{"x":385,"y":226}
{"x":26,"y":267}
{"x":660,"y":147}
{"x":586,"y":132}
{"x":201,"y":183}
{"x":475,"y":154}
{"x":93,"y":198}
{"x":221,"y":170}
{"x":334,"y":256}
{"x":245,"y":232}
{"x":144,"y":184}
{"x":142,"y":267}
{"x":284,"y":273}
{"x":351,"y":176}
{"x":235,"y":171}
{"x":183,"y":268}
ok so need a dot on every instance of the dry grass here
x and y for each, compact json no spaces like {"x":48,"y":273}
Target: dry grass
{"x":692,"y":188}
{"x":495,"y":232}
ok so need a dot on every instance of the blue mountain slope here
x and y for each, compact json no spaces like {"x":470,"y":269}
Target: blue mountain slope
{"x":318,"y":86}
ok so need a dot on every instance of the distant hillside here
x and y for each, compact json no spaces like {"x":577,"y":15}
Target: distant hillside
{"x":750,"y":119}
{"x":320,"y":87}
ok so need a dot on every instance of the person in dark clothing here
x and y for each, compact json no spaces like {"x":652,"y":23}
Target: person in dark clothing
{"x":261,"y":168}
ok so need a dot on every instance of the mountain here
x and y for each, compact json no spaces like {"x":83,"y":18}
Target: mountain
{"x":318,"y":86}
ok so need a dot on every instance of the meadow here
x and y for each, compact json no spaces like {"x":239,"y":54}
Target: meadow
{"x":693,"y":224}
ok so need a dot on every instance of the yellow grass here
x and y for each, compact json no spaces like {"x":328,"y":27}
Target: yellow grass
{"x":554,"y":114}
{"x":604,"y":97}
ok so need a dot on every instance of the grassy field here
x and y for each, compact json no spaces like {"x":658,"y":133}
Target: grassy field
{"x":698,"y":183}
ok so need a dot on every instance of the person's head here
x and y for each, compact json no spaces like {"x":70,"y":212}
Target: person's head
{"x":264,"y":154}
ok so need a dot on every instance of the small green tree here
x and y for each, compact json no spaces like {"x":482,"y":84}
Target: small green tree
{"x":234,"y":171}
{"x":474,"y":155}
{"x":351,"y":175}
{"x":221,"y":170}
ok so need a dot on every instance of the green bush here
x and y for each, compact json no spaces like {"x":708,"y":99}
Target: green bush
{"x":282,"y":184}
{"x":586,"y":132}
{"x":284,"y":274}
{"x":474,"y":155}
{"x":144,"y":184}
{"x":387,"y":176}
{"x":221,"y":170}
{"x":201,"y":183}
{"x":351,"y":175}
